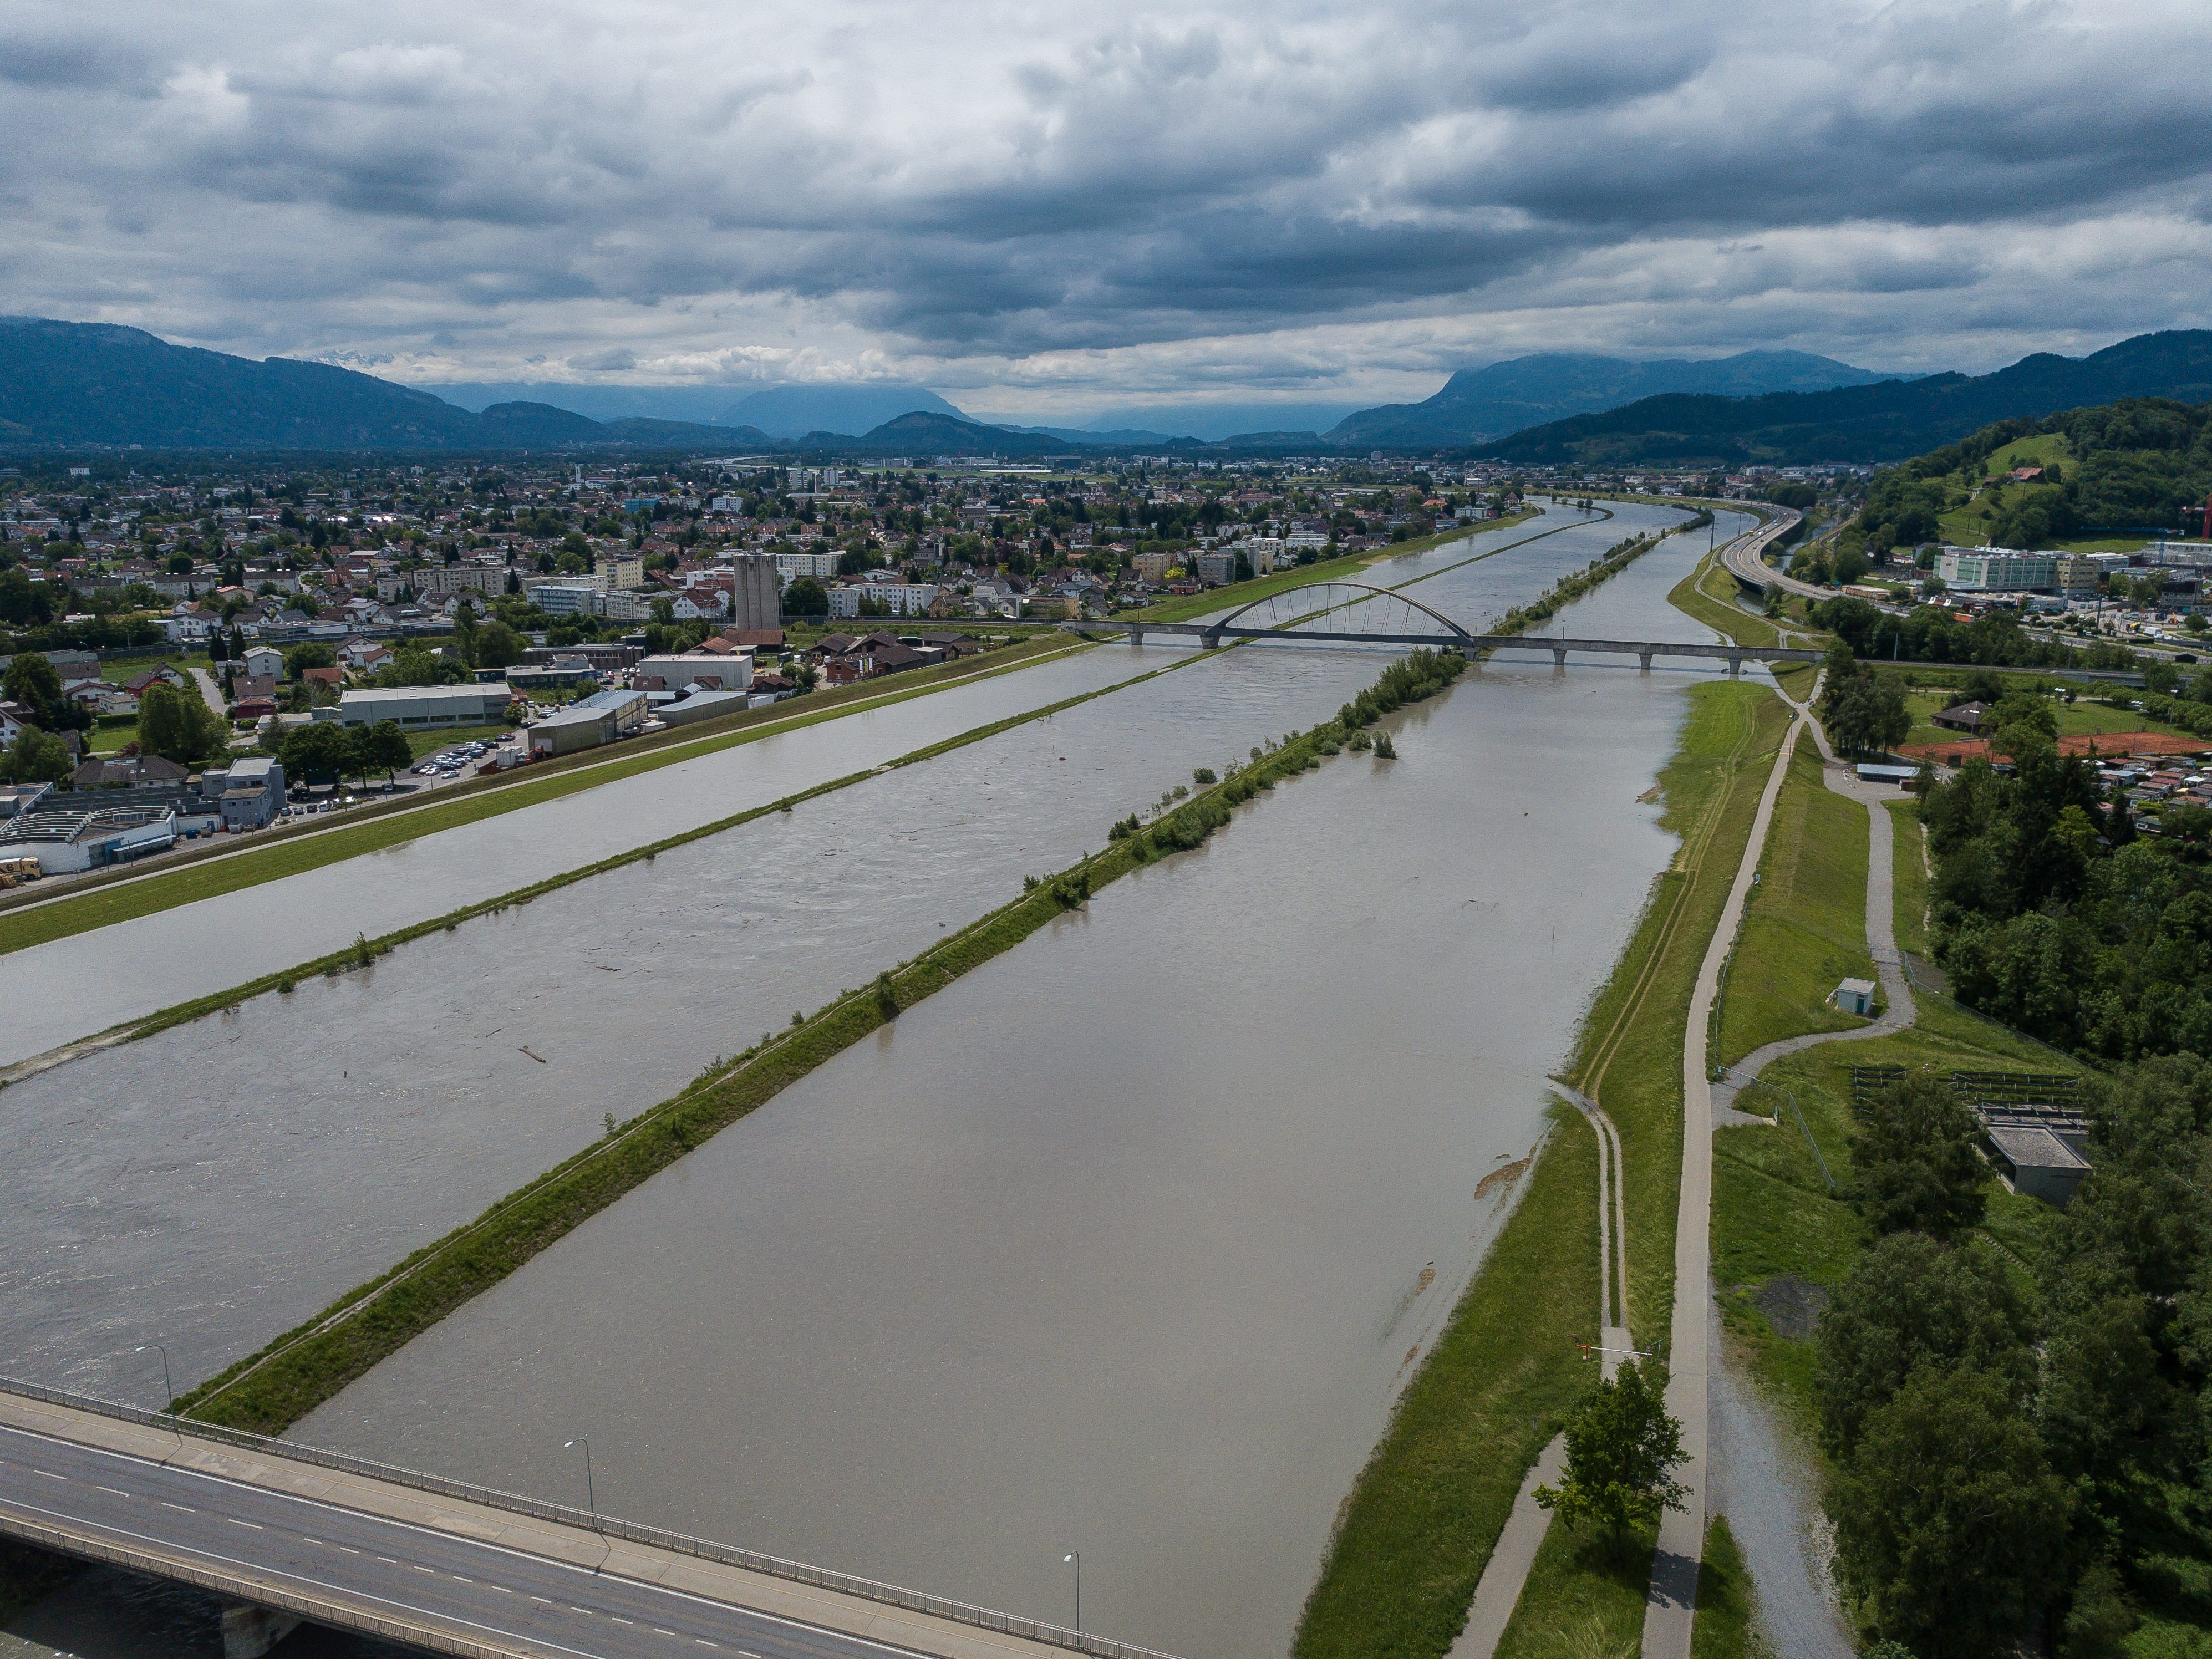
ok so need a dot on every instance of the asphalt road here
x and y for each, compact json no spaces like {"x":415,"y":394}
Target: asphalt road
{"x":1742,"y":557}
{"x":479,"y":1591}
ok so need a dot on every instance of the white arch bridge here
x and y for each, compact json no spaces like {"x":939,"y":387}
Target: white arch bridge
{"x":1354,"y":613}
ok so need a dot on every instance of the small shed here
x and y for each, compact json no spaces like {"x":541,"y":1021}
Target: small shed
{"x":2036,"y":1163}
{"x":1967,"y":717}
{"x":1854,"y":996}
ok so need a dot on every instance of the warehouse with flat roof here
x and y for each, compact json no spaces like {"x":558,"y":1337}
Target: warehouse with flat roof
{"x":588,"y":722}
{"x":419,"y":707}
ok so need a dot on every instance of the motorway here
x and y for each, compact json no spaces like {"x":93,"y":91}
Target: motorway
{"x":1744,"y":558}
{"x":445,"y":1581}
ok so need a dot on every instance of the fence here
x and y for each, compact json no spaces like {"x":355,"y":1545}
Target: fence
{"x":1998,"y":1089}
{"x":866,"y":1589}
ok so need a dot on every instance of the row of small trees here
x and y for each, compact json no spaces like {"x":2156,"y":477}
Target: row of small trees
{"x":325,"y":751}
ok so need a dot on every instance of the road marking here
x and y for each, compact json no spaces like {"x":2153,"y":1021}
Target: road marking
{"x":9,"y":1433}
{"x":501,"y":1589}
{"x":50,"y":1474}
{"x":404,"y":1607}
{"x":619,"y":1619}
{"x":657,"y":1631}
{"x":458,"y":1579}
{"x":586,"y":1611}
{"x":704,"y":1642}
{"x":540,"y":1598}
{"x":304,"y":1538}
{"x":421,"y":1569}
{"x":387,"y":1560}
{"x":235,"y":1522}
{"x":113,"y":1491}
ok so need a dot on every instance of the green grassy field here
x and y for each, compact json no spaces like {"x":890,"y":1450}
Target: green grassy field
{"x":1708,"y":593}
{"x":1584,"y":1597}
{"x":1723,"y":1629}
{"x":1773,"y":1213}
{"x":284,"y":854}
{"x":1804,"y":928}
{"x":109,"y":739}
{"x":1423,"y":1519}
{"x":2081,"y":717}
{"x":1908,"y":878}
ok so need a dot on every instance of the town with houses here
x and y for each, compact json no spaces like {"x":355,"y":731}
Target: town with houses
{"x":338,"y":634}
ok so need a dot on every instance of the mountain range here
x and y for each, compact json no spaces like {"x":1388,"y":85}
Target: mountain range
{"x":1886,"y":421}
{"x":76,"y":384}
{"x":1477,"y":405}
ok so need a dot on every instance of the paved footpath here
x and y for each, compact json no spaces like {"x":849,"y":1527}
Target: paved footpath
{"x":1670,"y":1611}
{"x":1672,"y":1608}
{"x":1498,"y":1591}
{"x":1899,"y":1011}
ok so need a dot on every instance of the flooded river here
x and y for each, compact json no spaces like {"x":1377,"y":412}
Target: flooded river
{"x":1124,"y":1243}
{"x":216,"y":1184}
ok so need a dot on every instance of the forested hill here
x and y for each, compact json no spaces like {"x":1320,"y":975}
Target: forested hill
{"x":1888,"y":422}
{"x":2142,"y":463}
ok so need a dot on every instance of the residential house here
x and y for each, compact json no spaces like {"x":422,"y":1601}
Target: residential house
{"x":127,"y":772}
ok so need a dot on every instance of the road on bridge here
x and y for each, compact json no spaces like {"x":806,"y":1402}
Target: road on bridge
{"x":438,"y":1574}
{"x":1745,"y":560}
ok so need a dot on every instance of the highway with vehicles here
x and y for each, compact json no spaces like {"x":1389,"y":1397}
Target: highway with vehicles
{"x":1745,"y":558}
{"x":430,"y":1565}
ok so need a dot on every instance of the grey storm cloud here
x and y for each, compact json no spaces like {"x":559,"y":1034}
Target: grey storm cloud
{"x":1110,"y":197}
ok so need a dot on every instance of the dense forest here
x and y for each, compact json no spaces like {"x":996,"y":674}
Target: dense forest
{"x":2015,"y":1450}
{"x":2056,"y":914}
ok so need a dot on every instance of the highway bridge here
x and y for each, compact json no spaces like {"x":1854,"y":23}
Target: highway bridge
{"x":285,"y":1533}
{"x":1745,"y":558}
{"x":1353,"y":613}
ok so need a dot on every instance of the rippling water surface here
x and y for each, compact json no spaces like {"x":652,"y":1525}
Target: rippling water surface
{"x":1125,"y":1242}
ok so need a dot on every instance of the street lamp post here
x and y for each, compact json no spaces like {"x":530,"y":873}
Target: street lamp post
{"x":169,"y":1393}
{"x":1076,"y":1556}
{"x":591,"y":1492}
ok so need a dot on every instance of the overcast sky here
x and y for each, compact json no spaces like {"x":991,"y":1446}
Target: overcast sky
{"x":1049,"y":209}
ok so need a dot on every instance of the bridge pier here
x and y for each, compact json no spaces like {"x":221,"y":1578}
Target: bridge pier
{"x":1210,"y":639}
{"x":250,"y":1630}
{"x":1136,"y":635}
{"x":1558,"y":658}
{"x":1735,"y":665}
{"x":1644,"y":660}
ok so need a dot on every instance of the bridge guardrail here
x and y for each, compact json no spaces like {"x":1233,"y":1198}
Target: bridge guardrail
{"x":774,"y":1566}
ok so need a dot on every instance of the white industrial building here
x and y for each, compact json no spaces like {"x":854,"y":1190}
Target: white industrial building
{"x":419,"y":707}
{"x":1996,"y":570}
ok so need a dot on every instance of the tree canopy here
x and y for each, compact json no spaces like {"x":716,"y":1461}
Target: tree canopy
{"x":1621,"y":1449}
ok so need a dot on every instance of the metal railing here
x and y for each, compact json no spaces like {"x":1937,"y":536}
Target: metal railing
{"x":775,"y":1566}
{"x":246,"y":1589}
